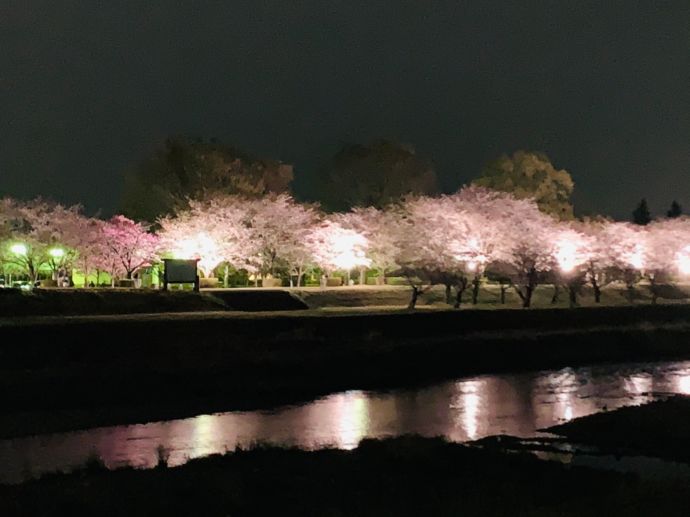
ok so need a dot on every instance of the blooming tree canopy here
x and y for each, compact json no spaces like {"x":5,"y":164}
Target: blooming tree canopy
{"x":129,"y":246}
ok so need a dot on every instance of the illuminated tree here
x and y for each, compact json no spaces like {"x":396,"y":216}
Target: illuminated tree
{"x":129,"y":246}
{"x":88,"y":241}
{"x":337,"y":248}
{"x":573,"y":255}
{"x":600,"y":259}
{"x":627,"y":244}
{"x":40,"y":234}
{"x":377,"y":226}
{"x":665,"y":251}
{"x":527,"y":249}
{"x":214,"y":231}
{"x":447,"y":240}
{"x":281,"y":235}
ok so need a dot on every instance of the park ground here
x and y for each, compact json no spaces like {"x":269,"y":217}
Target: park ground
{"x":71,"y":302}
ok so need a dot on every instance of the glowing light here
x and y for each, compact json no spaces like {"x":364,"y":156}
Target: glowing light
{"x":566,"y":256}
{"x":639,"y":387}
{"x":683,"y":261}
{"x":346,"y":248}
{"x":684,"y":384}
{"x":352,"y":419}
{"x":19,"y":249}
{"x":636,"y":257}
{"x":201,"y":247}
{"x":472,"y":266}
{"x":469,"y":401}
{"x":56,"y":252}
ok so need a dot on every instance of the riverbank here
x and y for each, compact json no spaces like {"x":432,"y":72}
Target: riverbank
{"x":15,"y":303}
{"x":403,"y":476}
{"x":72,"y":373}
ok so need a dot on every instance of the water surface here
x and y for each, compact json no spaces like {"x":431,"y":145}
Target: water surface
{"x":461,"y":410}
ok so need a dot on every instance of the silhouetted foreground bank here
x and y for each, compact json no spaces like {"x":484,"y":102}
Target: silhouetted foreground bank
{"x":403,"y":476}
{"x":63,"y":374}
{"x":660,"y":429}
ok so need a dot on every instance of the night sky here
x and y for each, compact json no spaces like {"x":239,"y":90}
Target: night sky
{"x":89,"y":88}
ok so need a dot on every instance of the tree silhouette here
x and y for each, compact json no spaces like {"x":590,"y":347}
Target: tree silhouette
{"x":675,"y":211}
{"x":641,"y":214}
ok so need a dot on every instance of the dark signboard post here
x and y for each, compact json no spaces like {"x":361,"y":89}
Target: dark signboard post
{"x":179,"y":271}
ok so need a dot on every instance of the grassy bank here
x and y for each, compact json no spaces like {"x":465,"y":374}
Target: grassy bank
{"x":63,"y":374}
{"x":405,"y":476}
{"x":15,"y":303}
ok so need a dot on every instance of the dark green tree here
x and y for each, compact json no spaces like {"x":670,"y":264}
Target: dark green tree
{"x":375,"y":175}
{"x":529,"y":174}
{"x":185,"y":168}
{"x":675,"y":211}
{"x":641,"y":214}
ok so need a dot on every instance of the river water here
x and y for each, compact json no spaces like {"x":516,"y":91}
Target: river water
{"x":461,"y":410}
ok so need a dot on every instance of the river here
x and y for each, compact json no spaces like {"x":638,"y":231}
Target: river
{"x":461,"y":410}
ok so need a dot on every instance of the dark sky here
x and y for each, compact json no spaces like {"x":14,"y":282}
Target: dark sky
{"x":88,"y":88}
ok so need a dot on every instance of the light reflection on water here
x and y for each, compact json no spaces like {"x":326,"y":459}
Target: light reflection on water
{"x":461,"y":410}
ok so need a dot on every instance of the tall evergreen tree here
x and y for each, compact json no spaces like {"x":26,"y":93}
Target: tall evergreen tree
{"x":675,"y":211}
{"x":641,"y":214}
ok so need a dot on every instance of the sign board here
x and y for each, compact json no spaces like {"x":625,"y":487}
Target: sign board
{"x":179,"y":271}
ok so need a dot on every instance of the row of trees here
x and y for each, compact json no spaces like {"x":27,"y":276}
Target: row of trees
{"x":452,"y":240}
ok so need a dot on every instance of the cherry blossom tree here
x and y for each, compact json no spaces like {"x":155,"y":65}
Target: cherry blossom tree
{"x":39,"y":234}
{"x":573,"y":254}
{"x":339,"y":248}
{"x":377,"y":227}
{"x":281,"y":235}
{"x":627,"y":243}
{"x":527,"y":250}
{"x":129,"y":246}
{"x":212,"y":231}
{"x":666,"y":247}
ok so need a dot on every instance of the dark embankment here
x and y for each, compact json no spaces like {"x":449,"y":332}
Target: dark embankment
{"x":660,"y":429}
{"x":254,"y":300}
{"x":78,"y":372}
{"x":16,"y":303}
{"x":404,"y":476}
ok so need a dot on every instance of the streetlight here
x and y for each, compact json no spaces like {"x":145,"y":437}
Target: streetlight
{"x":19,"y":249}
{"x":56,"y":253}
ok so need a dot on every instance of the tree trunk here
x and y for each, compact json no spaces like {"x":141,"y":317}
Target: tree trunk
{"x":475,"y":290}
{"x":597,"y":290}
{"x":504,"y":288}
{"x":631,"y":293}
{"x":572,"y":295}
{"x":226,"y":276}
{"x":527,"y":298}
{"x":459,"y":289}
{"x":300,"y":274}
{"x":449,"y":294}
{"x":415,"y":295}
{"x":653,"y":289}
{"x":556,"y":293}
{"x":362,"y":276}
